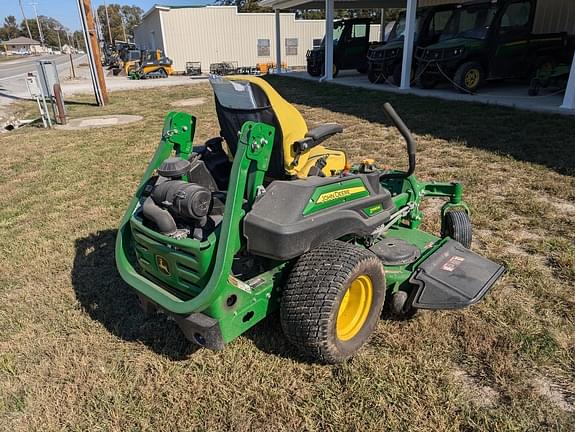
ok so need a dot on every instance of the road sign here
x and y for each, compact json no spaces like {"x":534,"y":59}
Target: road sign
{"x":48,"y":75}
{"x":33,"y":86}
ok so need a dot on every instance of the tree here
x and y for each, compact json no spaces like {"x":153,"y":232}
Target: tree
{"x":244,"y":5}
{"x":10,"y":28}
{"x":78,"y":40}
{"x":52,"y":28}
{"x":122,"y":18}
{"x":33,"y":29}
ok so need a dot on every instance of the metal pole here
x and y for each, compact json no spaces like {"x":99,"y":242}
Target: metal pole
{"x":569,"y":100}
{"x":25,"y":19}
{"x":408,"y":44}
{"x":382,"y":25}
{"x":123,"y":27}
{"x":278,"y":43}
{"x":72,"y":64}
{"x":59,"y":41}
{"x":328,"y":61}
{"x":40,"y":32}
{"x":93,"y":51}
{"x":108,"y":21}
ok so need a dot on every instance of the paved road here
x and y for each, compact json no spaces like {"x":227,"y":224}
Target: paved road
{"x":11,"y":70}
{"x":12,"y":73}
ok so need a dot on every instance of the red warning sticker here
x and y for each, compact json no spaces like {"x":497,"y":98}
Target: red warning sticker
{"x":452,"y":263}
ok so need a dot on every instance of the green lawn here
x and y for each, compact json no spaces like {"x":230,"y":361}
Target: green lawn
{"x":77,"y":354}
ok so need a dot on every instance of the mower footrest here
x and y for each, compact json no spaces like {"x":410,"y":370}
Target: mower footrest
{"x":453,"y":277}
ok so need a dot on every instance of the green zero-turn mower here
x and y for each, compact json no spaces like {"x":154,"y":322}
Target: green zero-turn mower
{"x":221,"y":235}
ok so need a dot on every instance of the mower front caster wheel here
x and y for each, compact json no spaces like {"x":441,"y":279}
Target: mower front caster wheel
{"x":332,"y":301}
{"x":457,"y":225}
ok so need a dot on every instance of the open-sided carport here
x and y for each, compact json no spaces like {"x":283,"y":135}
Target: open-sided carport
{"x":410,"y":27}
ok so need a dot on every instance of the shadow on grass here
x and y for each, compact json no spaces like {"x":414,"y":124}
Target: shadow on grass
{"x":544,"y":139}
{"x":108,"y":300}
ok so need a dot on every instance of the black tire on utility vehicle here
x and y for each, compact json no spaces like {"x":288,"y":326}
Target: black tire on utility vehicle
{"x":314,"y":72}
{"x":374,"y":77}
{"x":332,"y":301}
{"x":425,"y":81}
{"x":457,"y":225}
{"x":469,"y":77}
{"x":335,"y":70}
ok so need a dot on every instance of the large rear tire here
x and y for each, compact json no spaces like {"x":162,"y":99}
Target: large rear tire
{"x":332,"y":301}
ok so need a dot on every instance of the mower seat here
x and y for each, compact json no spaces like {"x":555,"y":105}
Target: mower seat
{"x":296,"y":151}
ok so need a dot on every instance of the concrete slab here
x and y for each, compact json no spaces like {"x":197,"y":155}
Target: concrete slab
{"x":509,"y":94}
{"x":99,"y":121}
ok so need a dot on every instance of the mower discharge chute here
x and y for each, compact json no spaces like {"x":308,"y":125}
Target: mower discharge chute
{"x":265,"y":217}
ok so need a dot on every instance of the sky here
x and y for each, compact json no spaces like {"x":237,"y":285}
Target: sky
{"x":66,"y":11}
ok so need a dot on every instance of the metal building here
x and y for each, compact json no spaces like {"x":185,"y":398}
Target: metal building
{"x":211,"y":34}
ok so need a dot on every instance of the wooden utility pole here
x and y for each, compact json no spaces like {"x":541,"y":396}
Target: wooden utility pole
{"x":25,"y":20}
{"x":94,"y":48}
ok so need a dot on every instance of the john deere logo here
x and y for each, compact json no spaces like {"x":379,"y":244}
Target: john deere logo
{"x":342,"y":193}
{"x":163,"y":265}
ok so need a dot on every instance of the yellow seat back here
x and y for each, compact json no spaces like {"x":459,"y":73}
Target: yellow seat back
{"x":293,"y":128}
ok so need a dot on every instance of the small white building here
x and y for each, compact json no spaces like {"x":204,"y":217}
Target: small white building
{"x":212,"y":34}
{"x":22,"y":45}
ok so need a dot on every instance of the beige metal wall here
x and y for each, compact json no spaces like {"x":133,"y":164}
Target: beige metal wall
{"x":213,"y":34}
{"x":148,"y":35}
{"x":554,"y":16}
{"x":551,"y":15}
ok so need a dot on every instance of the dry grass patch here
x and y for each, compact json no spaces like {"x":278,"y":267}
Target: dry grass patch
{"x":77,"y":354}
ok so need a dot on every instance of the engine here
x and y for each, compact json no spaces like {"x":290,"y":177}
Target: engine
{"x":182,"y":208}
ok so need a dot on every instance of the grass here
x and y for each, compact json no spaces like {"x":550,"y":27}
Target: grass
{"x":77,"y":354}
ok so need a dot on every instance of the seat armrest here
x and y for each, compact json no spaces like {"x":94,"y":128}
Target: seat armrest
{"x":323,"y":132}
{"x":316,"y":135}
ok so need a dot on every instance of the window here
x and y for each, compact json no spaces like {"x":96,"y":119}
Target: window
{"x":516,"y":15}
{"x":316,"y":43}
{"x":359,"y":31}
{"x":440,"y":20}
{"x":291,"y":46}
{"x":263,"y":47}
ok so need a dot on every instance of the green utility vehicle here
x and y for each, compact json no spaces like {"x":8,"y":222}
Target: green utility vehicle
{"x":265,"y":217}
{"x":386,"y":61}
{"x":486,"y":41}
{"x":350,"y":46}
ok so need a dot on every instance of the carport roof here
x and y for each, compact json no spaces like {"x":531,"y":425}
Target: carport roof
{"x":339,"y":4}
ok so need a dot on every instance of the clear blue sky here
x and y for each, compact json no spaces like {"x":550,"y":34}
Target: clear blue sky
{"x":66,"y":11}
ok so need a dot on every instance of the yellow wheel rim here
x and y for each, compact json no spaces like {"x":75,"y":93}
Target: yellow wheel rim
{"x":472,"y":78}
{"x":354,"y":308}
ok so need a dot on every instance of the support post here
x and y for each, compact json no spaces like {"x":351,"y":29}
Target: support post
{"x":93,"y":51}
{"x":328,"y":61}
{"x":382,"y":25}
{"x":569,"y":99}
{"x":278,"y":42}
{"x":408,"y":44}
